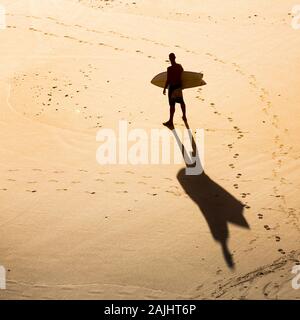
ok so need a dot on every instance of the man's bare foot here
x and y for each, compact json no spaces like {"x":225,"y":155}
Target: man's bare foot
{"x":169,"y":124}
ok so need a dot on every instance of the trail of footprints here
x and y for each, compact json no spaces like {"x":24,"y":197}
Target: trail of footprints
{"x":82,"y":41}
{"x":273,"y":119}
{"x":239,"y":135}
{"x":58,"y":182}
{"x":49,"y":181}
{"x":110,"y":32}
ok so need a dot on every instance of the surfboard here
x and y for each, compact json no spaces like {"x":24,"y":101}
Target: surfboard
{"x":189,"y":80}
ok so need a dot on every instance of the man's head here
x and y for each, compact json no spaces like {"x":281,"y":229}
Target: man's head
{"x":172,"y":57}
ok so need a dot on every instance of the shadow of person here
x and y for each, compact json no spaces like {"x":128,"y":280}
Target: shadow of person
{"x":218,"y":206}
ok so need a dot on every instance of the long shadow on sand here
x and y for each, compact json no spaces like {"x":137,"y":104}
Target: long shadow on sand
{"x":218,"y":206}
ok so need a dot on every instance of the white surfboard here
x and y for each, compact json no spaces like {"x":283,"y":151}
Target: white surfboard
{"x":189,"y":80}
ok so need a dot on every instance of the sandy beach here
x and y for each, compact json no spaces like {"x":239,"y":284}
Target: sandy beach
{"x":71,"y":228}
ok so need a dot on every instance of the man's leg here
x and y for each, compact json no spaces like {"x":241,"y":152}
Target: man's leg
{"x":172,"y":111}
{"x":183,"y":108}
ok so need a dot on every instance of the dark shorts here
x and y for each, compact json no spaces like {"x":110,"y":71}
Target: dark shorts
{"x":174,"y":100}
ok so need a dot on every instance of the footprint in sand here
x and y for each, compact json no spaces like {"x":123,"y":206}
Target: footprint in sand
{"x":281,"y":251}
{"x":277,"y":238}
{"x":260,"y":216}
{"x":244,"y":195}
{"x":174,"y":192}
{"x":267,"y":227}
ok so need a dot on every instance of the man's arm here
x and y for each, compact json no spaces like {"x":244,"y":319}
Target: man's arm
{"x":167,"y":82}
{"x":181,"y":70}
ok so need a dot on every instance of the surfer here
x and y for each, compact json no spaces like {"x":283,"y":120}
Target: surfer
{"x":174,"y":86}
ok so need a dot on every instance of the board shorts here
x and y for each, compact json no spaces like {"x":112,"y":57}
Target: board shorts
{"x":175,"y":94}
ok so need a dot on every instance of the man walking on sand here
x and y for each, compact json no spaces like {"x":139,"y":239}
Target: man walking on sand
{"x":174,"y":86}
